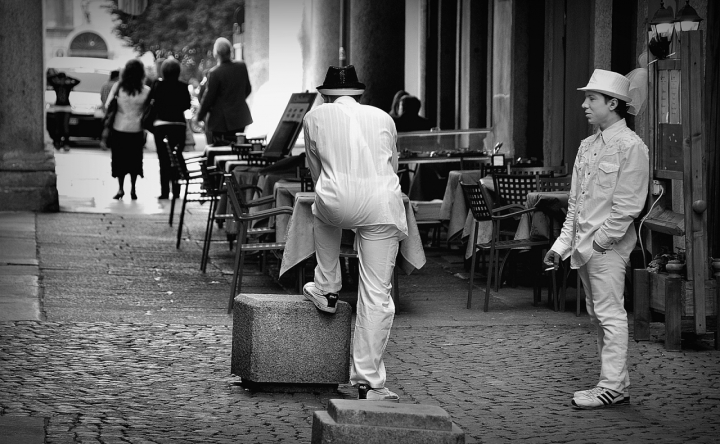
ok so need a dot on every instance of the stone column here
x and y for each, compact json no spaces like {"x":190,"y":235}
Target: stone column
{"x":320,"y":40}
{"x":257,"y":43}
{"x":27,"y":165}
{"x":377,"y":48}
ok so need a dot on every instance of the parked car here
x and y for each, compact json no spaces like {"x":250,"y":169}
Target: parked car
{"x":86,"y":115}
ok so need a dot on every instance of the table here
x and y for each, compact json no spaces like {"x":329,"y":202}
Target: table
{"x":430,"y":173}
{"x":300,"y":239}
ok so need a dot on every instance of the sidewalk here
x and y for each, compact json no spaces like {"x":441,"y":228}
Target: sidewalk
{"x":128,"y":342}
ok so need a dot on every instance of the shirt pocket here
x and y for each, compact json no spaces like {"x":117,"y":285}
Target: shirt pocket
{"x":607,"y":174}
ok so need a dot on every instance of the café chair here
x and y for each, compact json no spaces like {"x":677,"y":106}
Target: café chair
{"x":306,"y":182}
{"x":246,"y":190}
{"x":200,"y":187}
{"x":245,"y":241}
{"x":512,"y":189}
{"x":482,"y":209}
{"x":550,"y":171}
{"x":487,"y":169}
{"x":547,"y":184}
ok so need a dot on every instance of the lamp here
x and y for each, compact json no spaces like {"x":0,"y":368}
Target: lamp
{"x":687,"y":19}
{"x":662,"y":27}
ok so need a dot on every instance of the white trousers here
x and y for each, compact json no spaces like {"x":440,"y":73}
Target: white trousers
{"x":377,"y":248}
{"x":603,"y":279}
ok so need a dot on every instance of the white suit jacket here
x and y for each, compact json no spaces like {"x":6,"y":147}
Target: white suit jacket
{"x":352,"y":155}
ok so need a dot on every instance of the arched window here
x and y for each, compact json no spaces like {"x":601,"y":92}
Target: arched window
{"x":88,"y":44}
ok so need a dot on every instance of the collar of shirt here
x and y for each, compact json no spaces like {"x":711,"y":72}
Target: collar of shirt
{"x":345,"y":100}
{"x":611,"y":131}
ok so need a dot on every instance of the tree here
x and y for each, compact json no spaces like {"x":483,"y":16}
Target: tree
{"x":185,"y":29}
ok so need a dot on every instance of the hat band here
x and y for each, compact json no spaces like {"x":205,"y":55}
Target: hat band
{"x":341,"y":91}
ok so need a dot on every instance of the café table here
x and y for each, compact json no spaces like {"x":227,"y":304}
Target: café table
{"x":300,"y":239}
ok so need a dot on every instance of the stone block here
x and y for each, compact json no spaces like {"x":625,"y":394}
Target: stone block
{"x":282,"y":341}
{"x":366,"y":422}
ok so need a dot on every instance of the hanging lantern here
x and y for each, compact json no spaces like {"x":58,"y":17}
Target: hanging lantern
{"x":687,"y":19}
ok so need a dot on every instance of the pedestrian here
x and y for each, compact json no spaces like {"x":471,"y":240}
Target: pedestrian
{"x":608,"y":191}
{"x":228,"y":87}
{"x":409,"y":119}
{"x":107,"y":86}
{"x":352,"y":155}
{"x":63,"y":85}
{"x":127,"y":137}
{"x":171,"y":99}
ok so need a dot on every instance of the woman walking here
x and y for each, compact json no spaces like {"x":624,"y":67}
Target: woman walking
{"x":172,"y":98}
{"x":127,"y":138}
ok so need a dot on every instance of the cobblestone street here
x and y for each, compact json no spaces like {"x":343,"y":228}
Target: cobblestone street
{"x":135,"y":348}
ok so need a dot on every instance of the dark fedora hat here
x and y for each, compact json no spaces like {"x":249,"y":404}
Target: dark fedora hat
{"x":341,"y":81}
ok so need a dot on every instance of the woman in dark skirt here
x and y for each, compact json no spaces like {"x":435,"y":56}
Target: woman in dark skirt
{"x":127,"y":138}
{"x":172,"y":98}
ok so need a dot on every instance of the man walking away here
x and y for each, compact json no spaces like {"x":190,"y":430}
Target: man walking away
{"x":228,"y":87}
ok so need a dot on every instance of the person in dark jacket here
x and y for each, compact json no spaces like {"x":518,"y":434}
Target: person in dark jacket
{"x":228,"y":87}
{"x":409,"y":119}
{"x":172,"y":98}
{"x":63,"y":85}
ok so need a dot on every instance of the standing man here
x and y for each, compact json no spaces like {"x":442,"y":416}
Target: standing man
{"x":228,"y":87}
{"x":609,"y":187}
{"x":352,"y":155}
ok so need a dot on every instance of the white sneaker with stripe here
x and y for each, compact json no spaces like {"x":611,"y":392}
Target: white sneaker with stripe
{"x":598,"y":397}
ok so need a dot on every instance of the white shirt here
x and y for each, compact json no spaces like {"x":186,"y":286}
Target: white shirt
{"x":352,"y":155}
{"x":608,"y":191}
{"x":130,"y":109}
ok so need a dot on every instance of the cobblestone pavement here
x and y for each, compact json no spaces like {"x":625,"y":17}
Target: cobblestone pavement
{"x":136,"y":349}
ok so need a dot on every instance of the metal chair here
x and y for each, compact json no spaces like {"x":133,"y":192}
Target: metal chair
{"x":245,"y":191}
{"x":206,"y":191}
{"x":482,"y":208}
{"x":551,"y":171}
{"x":245,"y":242}
{"x":554,"y":183}
{"x":512,"y":189}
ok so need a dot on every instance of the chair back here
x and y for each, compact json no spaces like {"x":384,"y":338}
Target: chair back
{"x":549,"y":171}
{"x":306,"y":182}
{"x":488,"y":169}
{"x":476,"y":198}
{"x":235,"y":195}
{"x":514,"y":188}
{"x":554,"y":183}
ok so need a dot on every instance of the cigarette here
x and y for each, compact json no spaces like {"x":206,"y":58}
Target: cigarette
{"x":550,"y":268}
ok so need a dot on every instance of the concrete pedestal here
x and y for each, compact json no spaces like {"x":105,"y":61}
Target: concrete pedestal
{"x":283,"y":343}
{"x":368,"y":422}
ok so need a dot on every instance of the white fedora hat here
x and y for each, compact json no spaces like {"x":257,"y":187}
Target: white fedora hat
{"x":610,"y":83}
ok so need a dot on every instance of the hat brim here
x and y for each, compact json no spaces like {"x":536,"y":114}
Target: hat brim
{"x":609,"y":93}
{"x":340,"y":91}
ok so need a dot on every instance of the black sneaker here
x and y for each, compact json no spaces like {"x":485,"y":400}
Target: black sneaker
{"x":365,"y":393}
{"x":326,"y":302}
{"x":598,"y":397}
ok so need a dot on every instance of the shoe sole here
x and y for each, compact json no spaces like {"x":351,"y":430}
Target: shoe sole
{"x":317,"y":303}
{"x":624,"y":402}
{"x":380,"y":400}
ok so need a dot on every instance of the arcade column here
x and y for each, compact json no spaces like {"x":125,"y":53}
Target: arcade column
{"x":374,"y":43}
{"x":377,"y":48}
{"x":27,"y":165}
